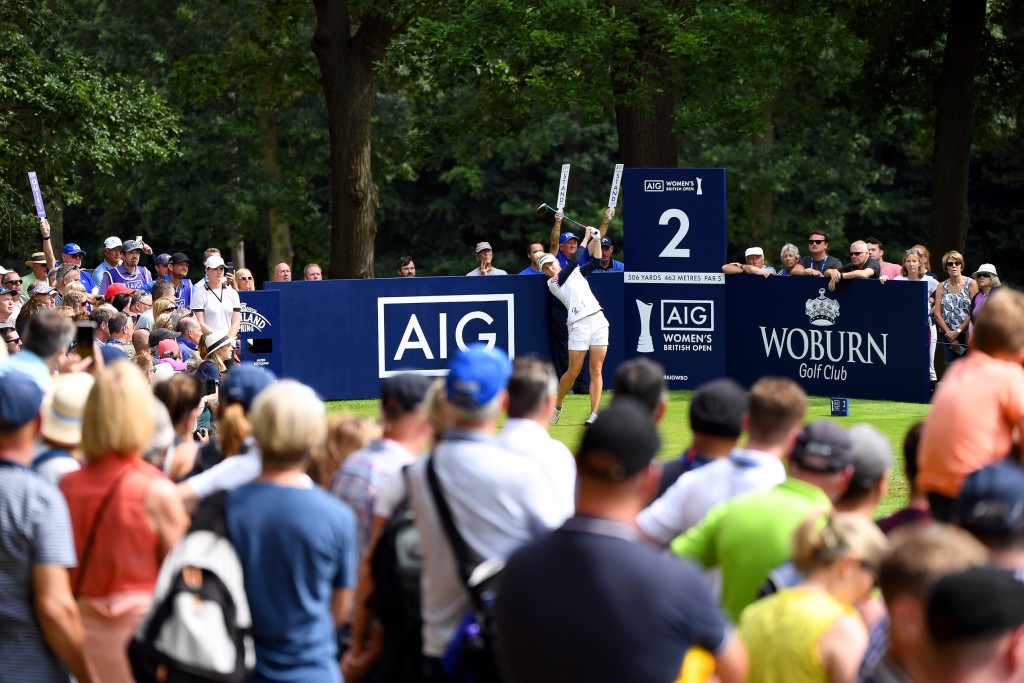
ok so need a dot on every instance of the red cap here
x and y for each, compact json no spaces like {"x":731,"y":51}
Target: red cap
{"x":168,"y":347}
{"x":115,"y":289}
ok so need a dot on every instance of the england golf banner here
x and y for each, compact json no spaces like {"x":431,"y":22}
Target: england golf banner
{"x":674,"y":299}
{"x":260,"y":330}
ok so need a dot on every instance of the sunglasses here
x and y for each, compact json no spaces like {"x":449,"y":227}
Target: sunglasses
{"x":953,"y":264}
{"x":981,"y":275}
{"x":244,"y":277}
{"x":815,"y":241}
{"x":16,"y":340}
{"x":13,"y":282}
{"x":857,"y":253}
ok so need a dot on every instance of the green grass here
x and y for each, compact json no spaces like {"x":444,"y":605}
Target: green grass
{"x":890,"y":418}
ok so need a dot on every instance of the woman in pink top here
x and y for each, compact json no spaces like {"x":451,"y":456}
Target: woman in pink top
{"x":126,"y":517}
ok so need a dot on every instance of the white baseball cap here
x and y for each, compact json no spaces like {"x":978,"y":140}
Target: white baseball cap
{"x":214,"y":261}
{"x":112,"y":243}
{"x":755,"y":251}
{"x":546,"y":259}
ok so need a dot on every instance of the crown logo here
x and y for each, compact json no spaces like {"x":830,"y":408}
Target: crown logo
{"x":822,"y":312}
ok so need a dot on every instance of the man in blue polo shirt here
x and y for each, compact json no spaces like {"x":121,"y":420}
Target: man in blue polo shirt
{"x":533,"y":253}
{"x":609,"y":607}
{"x":608,"y":264}
{"x":72,"y":255}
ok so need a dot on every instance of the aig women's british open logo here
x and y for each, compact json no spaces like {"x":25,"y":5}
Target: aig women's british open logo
{"x":252,"y":320}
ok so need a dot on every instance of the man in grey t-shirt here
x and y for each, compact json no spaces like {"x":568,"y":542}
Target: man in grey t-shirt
{"x":40,"y":625}
{"x":484,"y":256}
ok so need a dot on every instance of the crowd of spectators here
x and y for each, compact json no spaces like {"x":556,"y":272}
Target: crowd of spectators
{"x":953,"y":304}
{"x":753,"y":555}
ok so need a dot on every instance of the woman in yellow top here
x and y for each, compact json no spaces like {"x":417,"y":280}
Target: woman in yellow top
{"x":813,"y":632}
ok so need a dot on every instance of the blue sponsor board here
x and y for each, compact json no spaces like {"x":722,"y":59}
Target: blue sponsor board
{"x":343,"y":336}
{"x":865,"y":340}
{"x":675,"y":219}
{"x":421,"y":333}
{"x":674,"y":299}
{"x":260,"y":330}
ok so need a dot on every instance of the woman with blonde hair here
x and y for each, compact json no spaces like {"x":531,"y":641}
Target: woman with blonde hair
{"x":952,"y":308}
{"x":346,"y":434}
{"x":162,"y":306}
{"x":244,"y":280}
{"x":218,"y":349}
{"x":813,"y":632}
{"x":291,"y":534}
{"x":914,"y":270}
{"x":126,"y":516}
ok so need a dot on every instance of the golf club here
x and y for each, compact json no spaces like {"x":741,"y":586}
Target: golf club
{"x":545,"y":207}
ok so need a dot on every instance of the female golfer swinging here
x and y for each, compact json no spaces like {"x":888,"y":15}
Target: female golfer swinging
{"x":588,"y":328}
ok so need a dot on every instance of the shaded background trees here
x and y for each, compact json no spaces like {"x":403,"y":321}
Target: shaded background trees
{"x":350,"y":133}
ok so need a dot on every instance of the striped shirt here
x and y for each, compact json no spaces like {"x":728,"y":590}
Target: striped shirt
{"x":359,"y":479}
{"x":35,"y":529}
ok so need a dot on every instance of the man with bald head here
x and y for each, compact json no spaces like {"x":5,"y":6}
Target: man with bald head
{"x":861,"y":266}
{"x":282,"y":273}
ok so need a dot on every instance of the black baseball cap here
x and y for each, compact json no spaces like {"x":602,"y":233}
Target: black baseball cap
{"x":178,"y":257}
{"x":975,"y":603}
{"x":717,"y":408}
{"x":404,"y":393}
{"x":621,"y":443}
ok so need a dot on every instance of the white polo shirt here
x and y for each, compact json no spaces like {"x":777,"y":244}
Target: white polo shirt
{"x":217,"y":306}
{"x":689,"y":499}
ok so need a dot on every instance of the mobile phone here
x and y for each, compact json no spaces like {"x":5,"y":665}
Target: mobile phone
{"x":229,"y":267}
{"x":138,"y":238}
{"x":211,"y":387}
{"x":84,"y":337}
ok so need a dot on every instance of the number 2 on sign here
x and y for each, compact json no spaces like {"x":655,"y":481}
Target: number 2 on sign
{"x":672,"y":249}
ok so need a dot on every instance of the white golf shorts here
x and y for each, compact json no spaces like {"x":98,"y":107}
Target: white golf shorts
{"x":590,"y":331}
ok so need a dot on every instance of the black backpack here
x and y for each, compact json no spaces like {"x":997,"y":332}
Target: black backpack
{"x":397,"y":563}
{"x":198,"y":629}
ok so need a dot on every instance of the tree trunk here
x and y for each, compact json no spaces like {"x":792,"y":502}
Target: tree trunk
{"x":347,"y":62}
{"x":954,"y":101}
{"x":645,"y":133}
{"x":761,"y":204}
{"x":277,"y":227}
{"x":645,"y":112}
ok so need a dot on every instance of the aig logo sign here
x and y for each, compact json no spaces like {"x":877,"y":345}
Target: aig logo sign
{"x":654,"y":186}
{"x":688,"y":316}
{"x":421,"y":333}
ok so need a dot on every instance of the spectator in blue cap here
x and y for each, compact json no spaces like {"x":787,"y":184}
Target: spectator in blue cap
{"x":72,"y":255}
{"x":41,"y":632}
{"x":990,"y":505}
{"x":161,"y":267}
{"x":608,"y":264}
{"x":498,"y":500}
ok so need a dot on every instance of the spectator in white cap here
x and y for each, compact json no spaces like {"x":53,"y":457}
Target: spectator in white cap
{"x":754,"y":265}
{"x":988,"y":281}
{"x":61,"y":434}
{"x":111,"y":258}
{"x":484,"y":256}
{"x":217,"y":306}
